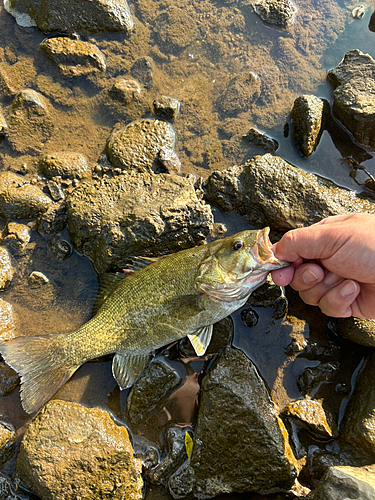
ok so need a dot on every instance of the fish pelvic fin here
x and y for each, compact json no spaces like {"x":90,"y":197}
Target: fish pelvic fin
{"x":41,"y":365}
{"x":200,"y":339}
{"x":126,"y":367}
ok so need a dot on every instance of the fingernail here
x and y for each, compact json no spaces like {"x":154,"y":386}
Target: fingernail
{"x":349,"y":288}
{"x":331,"y":279}
{"x":309,"y":277}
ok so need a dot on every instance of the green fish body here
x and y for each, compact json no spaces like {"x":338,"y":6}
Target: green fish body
{"x":179,"y":295}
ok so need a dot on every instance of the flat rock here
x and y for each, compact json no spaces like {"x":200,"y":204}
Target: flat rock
{"x":347,"y":483}
{"x":109,"y":224}
{"x":74,"y":57}
{"x":307,"y":116}
{"x":240,"y":444}
{"x":354,"y":95}
{"x":70,"y":16}
{"x":71,"y":452}
{"x":64,"y":164}
{"x":278,"y":12}
{"x":270,"y":191}
{"x":137,"y":145}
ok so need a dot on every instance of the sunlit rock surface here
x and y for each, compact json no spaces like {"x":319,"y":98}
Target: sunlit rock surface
{"x":354,"y":95}
{"x":307,"y":115}
{"x":64,"y":164}
{"x":240,"y":443}
{"x":279,"y":12}
{"x":360,"y":331}
{"x":71,"y":452}
{"x":349,"y":483}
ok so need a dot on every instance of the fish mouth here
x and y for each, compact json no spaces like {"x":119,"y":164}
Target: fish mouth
{"x":266,"y":258}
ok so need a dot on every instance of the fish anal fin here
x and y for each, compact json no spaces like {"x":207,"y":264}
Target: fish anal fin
{"x":126,"y":367}
{"x":200,"y":339}
{"x":42,"y":369}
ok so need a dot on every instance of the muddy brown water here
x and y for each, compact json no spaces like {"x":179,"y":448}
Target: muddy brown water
{"x":222,"y":40}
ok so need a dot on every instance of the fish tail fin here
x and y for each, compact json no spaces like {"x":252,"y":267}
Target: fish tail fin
{"x":42,"y":366}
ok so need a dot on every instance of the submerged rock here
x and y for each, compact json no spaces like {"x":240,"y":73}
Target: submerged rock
{"x":137,"y":145}
{"x":74,"y":57}
{"x":17,"y":236}
{"x":349,"y":483}
{"x":279,"y":12}
{"x":241,"y":91}
{"x":167,"y":107}
{"x":240,"y":443}
{"x":143,"y":71}
{"x":71,"y":452}
{"x":125,"y":90}
{"x":70,"y":16}
{"x":109,"y":224}
{"x":64,"y":164}
{"x":175,"y":29}
{"x":262,"y":140}
{"x":360,"y":331}
{"x":307,"y":116}
{"x":354,"y":95}
{"x":270,"y":191}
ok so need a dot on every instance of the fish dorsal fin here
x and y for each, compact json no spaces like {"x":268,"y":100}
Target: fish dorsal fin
{"x":141,"y":262}
{"x":107,"y":282}
{"x":200,"y":339}
{"x":126,"y":368}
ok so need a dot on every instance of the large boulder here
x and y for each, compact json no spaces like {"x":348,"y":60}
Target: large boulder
{"x":270,"y":191}
{"x":113,"y":220}
{"x":71,"y":452}
{"x":346,"y":483}
{"x":354,"y":95}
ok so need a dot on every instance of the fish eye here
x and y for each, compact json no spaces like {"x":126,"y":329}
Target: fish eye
{"x":238,"y":245}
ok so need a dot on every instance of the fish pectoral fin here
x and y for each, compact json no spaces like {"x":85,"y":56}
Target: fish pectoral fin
{"x":200,"y":339}
{"x":126,"y":368}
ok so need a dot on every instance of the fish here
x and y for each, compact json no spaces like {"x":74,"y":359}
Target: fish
{"x":174,"y":296}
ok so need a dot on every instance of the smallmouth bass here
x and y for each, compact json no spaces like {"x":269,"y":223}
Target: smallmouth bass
{"x":179,"y":295}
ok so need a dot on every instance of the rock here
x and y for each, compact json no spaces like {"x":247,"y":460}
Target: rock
{"x":240,"y":443}
{"x":20,"y":200}
{"x":241,"y":91}
{"x":270,"y":191}
{"x":348,"y":483}
{"x":358,"y":424}
{"x":55,"y":191}
{"x":69,"y":16}
{"x":64,"y":164}
{"x":167,"y":107}
{"x":17,"y":236}
{"x":175,"y":30}
{"x":3,"y":123}
{"x":371,"y":24}
{"x":310,"y":379}
{"x":249,"y":317}
{"x":266,"y":295}
{"x":354,"y":95}
{"x":8,"y":489}
{"x":7,"y":325}
{"x":360,"y":331}
{"x":74,"y":57}
{"x":7,"y":439}
{"x":125,"y":90}
{"x":53,"y":220}
{"x":150,"y":393}
{"x":30,"y":124}
{"x":17,"y":76}
{"x":307,"y":116}
{"x":143,"y":71}
{"x":108,"y":224}
{"x":167,"y":161}
{"x":61,"y":249}
{"x":37,"y":279}
{"x":279,"y":12}
{"x":6,"y":269}
{"x":262,"y":140}
{"x":137,"y":145}
{"x":9,"y":379}
{"x":310,"y":413}
{"x":71,"y":452}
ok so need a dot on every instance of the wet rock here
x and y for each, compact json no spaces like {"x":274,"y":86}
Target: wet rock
{"x":262,"y":140}
{"x":354,"y":95}
{"x":64,"y":164}
{"x":167,"y":107}
{"x":8,"y":489}
{"x":175,"y":30}
{"x":239,"y":439}
{"x":9,"y":379}
{"x":278,"y":12}
{"x":7,"y":438}
{"x":143,"y":71}
{"x":310,"y":413}
{"x":7,"y":325}
{"x":167,"y":161}
{"x":360,"y":331}
{"x":270,"y":191}
{"x":37,"y":279}
{"x":311,"y":378}
{"x":6,"y":269}
{"x":31,"y":123}
{"x":280,"y":308}
{"x":3,"y":123}
{"x":241,"y":91}
{"x":266,"y":295}
{"x":371,"y":24}
{"x":137,"y":145}
{"x":358,"y":424}
{"x":250,"y":317}
{"x":74,"y":57}
{"x":108,"y":224}
{"x":307,"y":115}
{"x":69,"y":16}
{"x":150,"y":392}
{"x":17,"y":236}
{"x":55,"y":190}
{"x":70,"y":451}
{"x":349,"y":483}
{"x":53,"y":220}
{"x":125,"y":90}
{"x":60,"y":248}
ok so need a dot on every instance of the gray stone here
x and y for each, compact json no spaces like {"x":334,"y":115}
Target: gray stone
{"x":270,"y":191}
{"x":64,"y":164}
{"x":71,"y":452}
{"x":240,"y":444}
{"x":346,"y":483}
{"x":354,"y":95}
{"x":70,"y":16}
{"x":279,"y":12}
{"x":307,"y":115}
{"x":74,"y":57}
{"x":137,"y":145}
{"x":360,"y":331}
{"x":109,"y":224}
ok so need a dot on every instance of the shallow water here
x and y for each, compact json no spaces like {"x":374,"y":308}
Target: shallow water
{"x":221,"y":40}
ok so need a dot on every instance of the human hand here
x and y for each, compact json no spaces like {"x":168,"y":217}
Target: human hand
{"x":333,"y":264}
